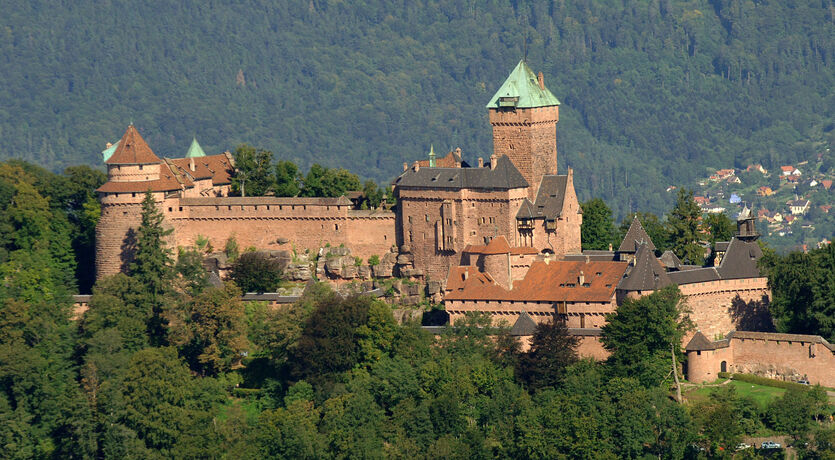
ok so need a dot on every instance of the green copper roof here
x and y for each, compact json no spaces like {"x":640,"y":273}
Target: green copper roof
{"x":523,"y":84}
{"x":195,"y":150}
{"x":108,"y":152}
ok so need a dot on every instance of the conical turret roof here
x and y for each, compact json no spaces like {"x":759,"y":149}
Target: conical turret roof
{"x":194,"y":150}
{"x":523,"y":84}
{"x":132,"y":150}
{"x":635,"y":236}
{"x":647,"y":274}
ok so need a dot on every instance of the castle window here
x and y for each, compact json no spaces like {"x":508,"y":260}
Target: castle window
{"x":170,"y":209}
{"x":449,"y":221}
{"x":256,"y":208}
{"x":140,"y":167}
{"x":242,"y":208}
{"x":410,"y":235}
{"x":230,"y":208}
{"x":336,"y":226}
{"x":426,"y":217}
{"x":268,"y":207}
{"x":133,"y":195}
{"x":181,"y":208}
{"x":410,"y":219}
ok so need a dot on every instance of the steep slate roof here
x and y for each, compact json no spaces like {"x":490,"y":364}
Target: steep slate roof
{"x":551,"y":196}
{"x":544,"y":282}
{"x":523,"y":83}
{"x":194,"y":150}
{"x":740,"y":260}
{"x":670,"y":260}
{"x":505,"y":176}
{"x":701,"y":343}
{"x":695,"y":275}
{"x":634,"y":236}
{"x":647,"y":274}
{"x":592,"y":255}
{"x":132,"y":149}
{"x":524,"y":325}
{"x":526,"y":210}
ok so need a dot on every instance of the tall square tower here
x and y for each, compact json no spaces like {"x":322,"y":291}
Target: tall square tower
{"x":524,"y":115}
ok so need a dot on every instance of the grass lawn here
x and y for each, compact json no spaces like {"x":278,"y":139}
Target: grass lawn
{"x":761,"y":394}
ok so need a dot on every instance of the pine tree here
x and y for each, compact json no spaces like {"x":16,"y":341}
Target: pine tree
{"x":152,"y":264}
{"x":598,"y":229}
{"x":685,"y":227}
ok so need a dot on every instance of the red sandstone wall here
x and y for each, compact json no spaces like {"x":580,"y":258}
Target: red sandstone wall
{"x":529,"y":138}
{"x":704,"y":366}
{"x":784,"y":360}
{"x":709,"y":303}
{"x":476,"y":215}
{"x":120,"y":215}
{"x":366,"y":233}
{"x":592,"y":347}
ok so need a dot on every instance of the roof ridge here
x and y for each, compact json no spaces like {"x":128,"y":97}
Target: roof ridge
{"x":133,"y":149}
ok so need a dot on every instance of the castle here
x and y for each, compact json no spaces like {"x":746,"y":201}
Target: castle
{"x":501,"y":237}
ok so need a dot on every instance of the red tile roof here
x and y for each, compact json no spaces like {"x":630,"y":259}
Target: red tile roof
{"x":217,"y":167}
{"x":556,"y":281}
{"x":132,"y":150}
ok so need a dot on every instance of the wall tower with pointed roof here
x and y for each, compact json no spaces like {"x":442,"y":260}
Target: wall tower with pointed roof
{"x":524,"y":115}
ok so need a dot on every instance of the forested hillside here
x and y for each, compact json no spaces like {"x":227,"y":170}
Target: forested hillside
{"x":653,"y":92}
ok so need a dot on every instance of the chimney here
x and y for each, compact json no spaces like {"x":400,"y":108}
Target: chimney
{"x":405,"y":166}
{"x":580,"y":279}
{"x":108,"y":145}
{"x":465,"y":275}
{"x":541,"y":79}
{"x":610,"y":247}
{"x":493,"y":161}
{"x":191,"y":164}
{"x":416,"y":167}
{"x":480,"y":162}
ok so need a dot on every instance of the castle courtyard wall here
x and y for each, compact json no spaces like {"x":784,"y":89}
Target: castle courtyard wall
{"x":710,"y":303}
{"x":267,"y":222}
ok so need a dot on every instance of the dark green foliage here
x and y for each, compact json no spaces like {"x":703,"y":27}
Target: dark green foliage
{"x":332,"y":338}
{"x":256,"y":272}
{"x":795,"y":412}
{"x":642,"y":334}
{"x":329,"y":182}
{"x":685,"y":229}
{"x":552,"y":350}
{"x":254,"y":175}
{"x":720,"y":226}
{"x":152,"y":264}
{"x":803,"y":289}
{"x":598,"y":229}
{"x":287,"y":179}
{"x":190,"y":267}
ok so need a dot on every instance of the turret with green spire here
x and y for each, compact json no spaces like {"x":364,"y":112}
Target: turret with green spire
{"x":195,"y":151}
{"x":431,"y":155}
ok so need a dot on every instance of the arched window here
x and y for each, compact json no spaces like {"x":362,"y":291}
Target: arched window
{"x":723,"y":367}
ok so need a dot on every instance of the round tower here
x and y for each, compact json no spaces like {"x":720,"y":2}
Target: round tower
{"x":132,"y":169}
{"x":524,"y":116}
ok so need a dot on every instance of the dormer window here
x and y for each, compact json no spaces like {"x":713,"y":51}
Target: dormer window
{"x":507,"y":101}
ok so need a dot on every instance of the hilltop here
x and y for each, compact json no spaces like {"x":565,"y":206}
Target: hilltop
{"x":652,"y":92}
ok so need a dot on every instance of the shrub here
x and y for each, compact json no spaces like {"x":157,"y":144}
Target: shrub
{"x":256,"y":272}
{"x":757,"y":380}
{"x":374,"y":260}
{"x":231,"y":248}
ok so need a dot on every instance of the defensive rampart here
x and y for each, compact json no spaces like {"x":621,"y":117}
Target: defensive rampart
{"x":789,"y":357}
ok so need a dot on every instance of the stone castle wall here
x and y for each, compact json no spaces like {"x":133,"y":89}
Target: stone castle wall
{"x":262,"y":222}
{"x":777,"y":356}
{"x":710,"y":303}
{"x":528,"y":138}
{"x":476,"y":216}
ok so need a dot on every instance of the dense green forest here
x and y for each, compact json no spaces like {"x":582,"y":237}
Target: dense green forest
{"x":653,"y":92}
